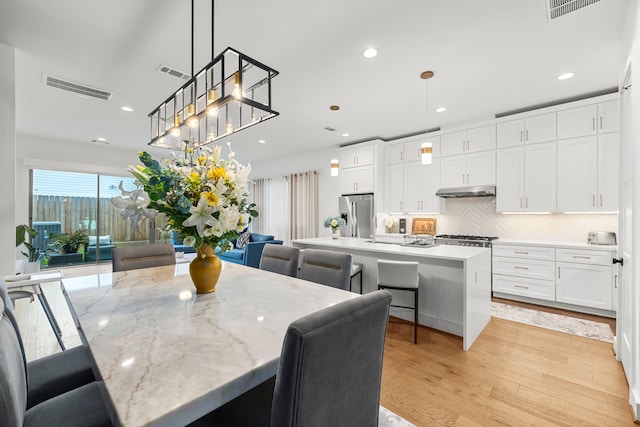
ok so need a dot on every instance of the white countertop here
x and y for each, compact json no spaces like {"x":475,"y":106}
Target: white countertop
{"x":169,"y":356}
{"x":456,"y":253}
{"x":550,"y":243}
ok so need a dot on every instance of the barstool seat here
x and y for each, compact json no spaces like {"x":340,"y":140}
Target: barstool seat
{"x":401,"y":276}
{"x":356,"y":269}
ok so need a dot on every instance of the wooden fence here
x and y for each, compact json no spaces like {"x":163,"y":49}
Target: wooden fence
{"x":75,"y":213}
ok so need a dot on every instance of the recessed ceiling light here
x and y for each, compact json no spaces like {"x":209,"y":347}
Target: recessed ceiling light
{"x":441,"y":109}
{"x":565,"y":76}
{"x":127,"y":109}
{"x":370,"y":52}
{"x":345,"y":134}
{"x":261,"y":141}
{"x":102,"y":139}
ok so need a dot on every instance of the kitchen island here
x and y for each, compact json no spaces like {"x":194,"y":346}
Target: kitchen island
{"x":455,"y":281}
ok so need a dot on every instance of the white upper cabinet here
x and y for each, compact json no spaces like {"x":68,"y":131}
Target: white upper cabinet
{"x":589,"y":120}
{"x":526,"y":179}
{"x":588,"y":173}
{"x":352,"y":157}
{"x":420,"y":185}
{"x":393,"y":154}
{"x":357,"y":180}
{"x":530,"y":130}
{"x":468,"y":169}
{"x":468,"y":141}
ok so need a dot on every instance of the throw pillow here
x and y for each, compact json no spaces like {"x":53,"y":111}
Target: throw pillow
{"x":242,"y":240}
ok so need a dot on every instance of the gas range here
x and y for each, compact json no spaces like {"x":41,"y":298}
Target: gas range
{"x":464,"y":240}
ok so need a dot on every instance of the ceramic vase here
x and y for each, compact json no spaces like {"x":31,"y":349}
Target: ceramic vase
{"x":205,"y":269}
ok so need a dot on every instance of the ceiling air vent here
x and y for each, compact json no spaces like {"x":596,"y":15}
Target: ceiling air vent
{"x":173,"y":72}
{"x":77,"y":88}
{"x":558,"y":8}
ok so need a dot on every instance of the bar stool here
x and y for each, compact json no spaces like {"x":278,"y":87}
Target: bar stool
{"x":356,"y":269}
{"x":401,"y":276}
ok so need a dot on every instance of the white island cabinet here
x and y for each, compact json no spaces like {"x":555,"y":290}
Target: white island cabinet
{"x":455,"y":281}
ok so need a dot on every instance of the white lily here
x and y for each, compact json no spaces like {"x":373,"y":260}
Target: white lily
{"x":201,"y":216}
{"x":134,"y":205}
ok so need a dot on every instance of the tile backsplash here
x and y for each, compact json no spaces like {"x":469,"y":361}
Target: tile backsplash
{"x":478,"y":216}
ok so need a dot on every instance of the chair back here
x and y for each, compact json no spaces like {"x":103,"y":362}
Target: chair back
{"x":280,"y":259}
{"x":399,"y":274}
{"x":135,"y":257}
{"x":4,"y":295}
{"x":331,"y":365}
{"x":326,"y":267}
{"x":13,"y":378}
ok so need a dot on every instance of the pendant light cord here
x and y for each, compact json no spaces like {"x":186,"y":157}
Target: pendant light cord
{"x":192,"y":37}
{"x":213,"y":15}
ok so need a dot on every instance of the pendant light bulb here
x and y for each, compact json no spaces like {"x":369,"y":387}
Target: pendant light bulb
{"x":335,"y":167}
{"x":236,"y":93}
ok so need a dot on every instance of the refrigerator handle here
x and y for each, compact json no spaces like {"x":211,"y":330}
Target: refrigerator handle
{"x":354,"y":225}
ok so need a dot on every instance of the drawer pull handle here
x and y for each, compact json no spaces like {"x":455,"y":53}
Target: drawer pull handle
{"x":521,"y":252}
{"x":521,"y":286}
{"x":520,"y":268}
{"x":582,"y":256}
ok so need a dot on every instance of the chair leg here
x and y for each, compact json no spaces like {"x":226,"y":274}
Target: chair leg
{"x":52,"y":320}
{"x":415,"y":320}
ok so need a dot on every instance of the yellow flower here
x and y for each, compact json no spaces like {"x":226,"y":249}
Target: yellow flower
{"x":212,"y":198}
{"x":202,"y":160}
{"x":215,"y":173}
{"x":194,"y":177}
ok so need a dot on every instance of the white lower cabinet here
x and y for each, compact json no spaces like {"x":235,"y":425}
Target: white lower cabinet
{"x":588,"y":281}
{"x":582,"y":278}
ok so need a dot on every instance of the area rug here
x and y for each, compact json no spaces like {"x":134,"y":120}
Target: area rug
{"x":390,"y":419}
{"x":569,"y":325}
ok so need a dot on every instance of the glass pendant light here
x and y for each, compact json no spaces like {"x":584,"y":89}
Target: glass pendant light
{"x":335,"y":165}
{"x":426,"y":149}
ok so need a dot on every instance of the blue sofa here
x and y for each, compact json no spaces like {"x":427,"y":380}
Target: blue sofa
{"x":252,"y":251}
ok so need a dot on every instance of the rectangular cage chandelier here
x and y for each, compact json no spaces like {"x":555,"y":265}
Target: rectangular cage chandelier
{"x":231,"y":93}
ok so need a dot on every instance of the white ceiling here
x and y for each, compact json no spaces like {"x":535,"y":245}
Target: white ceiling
{"x":489,"y":56}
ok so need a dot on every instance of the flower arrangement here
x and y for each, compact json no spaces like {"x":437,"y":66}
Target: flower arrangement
{"x":390,"y":221}
{"x":204,"y":196}
{"x":334,"y":222}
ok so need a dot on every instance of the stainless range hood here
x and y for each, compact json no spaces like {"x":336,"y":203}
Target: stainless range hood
{"x":471,"y":191}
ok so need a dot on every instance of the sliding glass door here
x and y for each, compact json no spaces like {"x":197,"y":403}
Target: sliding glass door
{"x":75,"y":220}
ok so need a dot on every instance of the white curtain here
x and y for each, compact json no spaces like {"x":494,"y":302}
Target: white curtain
{"x":304,"y":204}
{"x":261,"y":196}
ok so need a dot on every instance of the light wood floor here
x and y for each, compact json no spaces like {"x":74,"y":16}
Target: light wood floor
{"x":513,"y":375}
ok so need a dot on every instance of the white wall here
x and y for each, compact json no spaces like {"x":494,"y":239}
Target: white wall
{"x":328,"y":187}
{"x":7,"y":164}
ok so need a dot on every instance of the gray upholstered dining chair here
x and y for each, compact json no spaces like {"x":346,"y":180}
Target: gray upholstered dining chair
{"x":51,"y":375}
{"x":135,"y":257}
{"x":328,"y":375}
{"x":280,"y":259}
{"x":80,"y":407}
{"x":326,"y":267}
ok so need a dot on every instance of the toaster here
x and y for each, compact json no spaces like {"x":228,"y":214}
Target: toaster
{"x":601,"y":238}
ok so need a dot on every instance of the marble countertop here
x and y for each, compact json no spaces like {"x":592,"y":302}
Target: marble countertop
{"x":550,"y":243}
{"x":169,"y":356}
{"x":456,"y":253}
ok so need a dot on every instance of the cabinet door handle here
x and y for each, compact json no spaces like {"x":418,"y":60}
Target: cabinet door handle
{"x":526,"y":135}
{"x":600,"y":122}
{"x":593,"y":200}
{"x":521,"y":252}
{"x":601,"y":200}
{"x":476,"y":279}
{"x":521,"y":133}
{"x":463,"y":178}
{"x":463,"y":145}
{"x":401,"y":208}
{"x":615,"y":281}
{"x":468,"y":145}
{"x":521,"y":286}
{"x":593,"y":124}
{"x":558,"y":272}
{"x":467,"y":178}
{"x":582,"y":257}
{"x":520,"y":202}
{"x":401,"y":155}
{"x":517,"y":267}
{"x":526,"y":202}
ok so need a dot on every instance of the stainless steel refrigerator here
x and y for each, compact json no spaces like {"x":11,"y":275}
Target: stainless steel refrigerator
{"x":357,"y":211}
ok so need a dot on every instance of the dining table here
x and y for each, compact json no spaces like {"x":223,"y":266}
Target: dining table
{"x":167,"y":355}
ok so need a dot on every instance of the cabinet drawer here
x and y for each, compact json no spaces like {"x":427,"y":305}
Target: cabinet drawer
{"x":584,"y":256}
{"x":533,"y":288}
{"x":531,"y":268}
{"x":531,"y":252}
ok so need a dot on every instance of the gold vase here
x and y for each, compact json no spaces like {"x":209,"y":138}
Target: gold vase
{"x":205,"y":269}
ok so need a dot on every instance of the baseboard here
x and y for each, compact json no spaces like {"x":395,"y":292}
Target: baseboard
{"x":634,"y":400}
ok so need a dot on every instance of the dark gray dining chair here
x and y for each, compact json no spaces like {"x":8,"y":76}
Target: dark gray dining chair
{"x":328,"y":375}
{"x":326,"y":267}
{"x":135,"y":257}
{"x":280,"y":259}
{"x":80,"y":407}
{"x":51,"y":375}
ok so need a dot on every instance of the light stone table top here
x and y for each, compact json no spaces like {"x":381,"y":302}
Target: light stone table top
{"x":168,"y":356}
